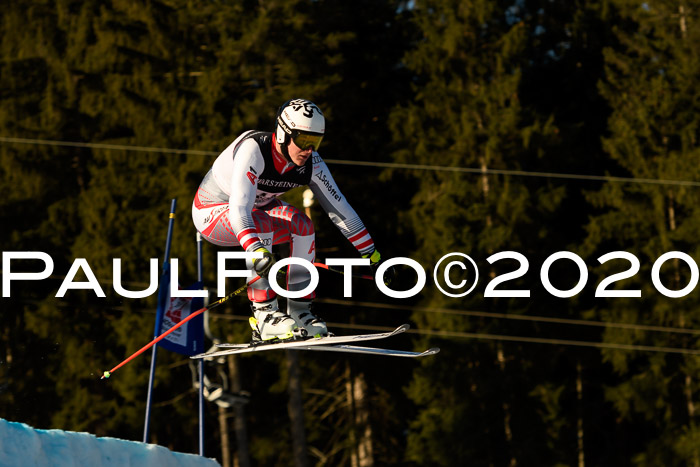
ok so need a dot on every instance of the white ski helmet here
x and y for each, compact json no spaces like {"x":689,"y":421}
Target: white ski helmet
{"x":302,"y":121}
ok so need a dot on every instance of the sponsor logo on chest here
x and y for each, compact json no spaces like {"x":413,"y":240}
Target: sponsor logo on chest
{"x":277,"y":183}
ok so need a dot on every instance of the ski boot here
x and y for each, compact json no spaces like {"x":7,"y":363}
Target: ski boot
{"x":269,"y":323}
{"x":300,"y":310}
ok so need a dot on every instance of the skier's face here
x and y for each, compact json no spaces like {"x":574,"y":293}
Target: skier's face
{"x":297,"y":155}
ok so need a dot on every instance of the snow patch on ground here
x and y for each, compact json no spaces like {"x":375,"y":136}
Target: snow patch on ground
{"x":22,"y":445}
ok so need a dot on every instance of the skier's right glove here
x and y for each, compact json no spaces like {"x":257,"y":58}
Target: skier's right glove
{"x":375,"y":259}
{"x":262,"y":265}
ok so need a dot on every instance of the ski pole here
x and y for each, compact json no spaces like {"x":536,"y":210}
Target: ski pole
{"x":340,"y":271}
{"x":107,"y":374}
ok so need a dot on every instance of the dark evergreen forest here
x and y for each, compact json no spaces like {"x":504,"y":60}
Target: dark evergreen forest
{"x":479,"y":127}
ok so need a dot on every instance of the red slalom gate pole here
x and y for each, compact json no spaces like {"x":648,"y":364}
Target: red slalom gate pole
{"x":107,"y":374}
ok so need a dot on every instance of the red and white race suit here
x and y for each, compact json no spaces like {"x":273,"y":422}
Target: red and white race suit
{"x":237,"y":204}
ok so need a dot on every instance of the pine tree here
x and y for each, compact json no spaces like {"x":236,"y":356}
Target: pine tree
{"x":651,"y":86}
{"x":474,"y":403}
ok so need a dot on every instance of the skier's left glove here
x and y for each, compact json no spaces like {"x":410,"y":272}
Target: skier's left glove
{"x":375,"y":259}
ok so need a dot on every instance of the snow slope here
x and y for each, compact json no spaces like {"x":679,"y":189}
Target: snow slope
{"x":22,"y":445}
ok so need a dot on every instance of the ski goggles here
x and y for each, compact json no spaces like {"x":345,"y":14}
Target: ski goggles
{"x":307,"y":140}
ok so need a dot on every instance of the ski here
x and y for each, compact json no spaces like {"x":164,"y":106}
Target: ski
{"x":371,"y":350}
{"x":312,"y":342}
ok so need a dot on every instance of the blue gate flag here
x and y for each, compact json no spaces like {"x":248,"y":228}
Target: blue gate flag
{"x":187,"y":339}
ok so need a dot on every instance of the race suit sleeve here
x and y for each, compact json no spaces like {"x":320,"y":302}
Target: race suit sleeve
{"x":248,"y":164}
{"x":339,"y":210}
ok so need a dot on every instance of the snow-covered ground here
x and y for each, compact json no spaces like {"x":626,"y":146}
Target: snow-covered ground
{"x":22,"y":445}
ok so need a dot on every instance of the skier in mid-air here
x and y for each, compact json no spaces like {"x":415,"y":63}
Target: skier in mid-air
{"x":237,"y":205}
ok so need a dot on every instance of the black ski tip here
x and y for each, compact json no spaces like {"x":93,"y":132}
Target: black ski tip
{"x":400,"y":329}
{"x":431,"y":351}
